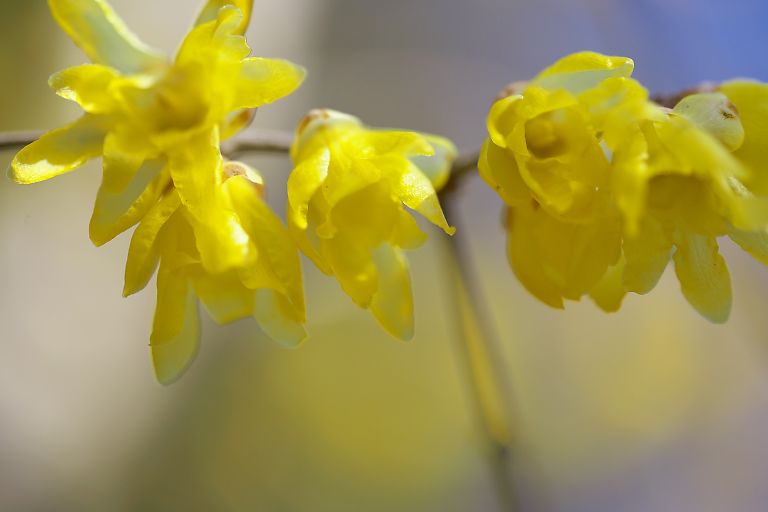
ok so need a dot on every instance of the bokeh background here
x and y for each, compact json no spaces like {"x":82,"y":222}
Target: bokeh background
{"x":649,"y":409}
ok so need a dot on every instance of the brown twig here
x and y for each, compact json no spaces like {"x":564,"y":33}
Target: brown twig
{"x":264,"y":142}
{"x":15,"y":140}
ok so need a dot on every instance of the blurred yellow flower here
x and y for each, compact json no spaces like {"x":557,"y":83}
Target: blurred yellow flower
{"x":604,"y":187}
{"x":347,"y":196}
{"x":158,"y":125}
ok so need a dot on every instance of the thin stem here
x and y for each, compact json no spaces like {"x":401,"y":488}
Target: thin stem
{"x":14,"y":140}
{"x":262,"y":142}
{"x":482,"y":359}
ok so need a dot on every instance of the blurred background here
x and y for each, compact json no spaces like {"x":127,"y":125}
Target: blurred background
{"x":649,"y":409}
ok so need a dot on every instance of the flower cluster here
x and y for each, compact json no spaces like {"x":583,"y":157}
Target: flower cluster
{"x":202,"y":221}
{"x":604,"y":187}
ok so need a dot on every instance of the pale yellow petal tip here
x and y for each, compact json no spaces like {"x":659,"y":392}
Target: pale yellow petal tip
{"x":296,"y":341}
{"x":171,"y":360}
{"x":716,"y":315}
{"x":401,"y":329}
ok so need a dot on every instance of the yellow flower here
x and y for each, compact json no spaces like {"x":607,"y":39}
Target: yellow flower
{"x":604,"y":187}
{"x":266,"y":286}
{"x":158,"y":126}
{"x":347,"y":196}
{"x":546,"y":156}
{"x":691,"y":178}
{"x":156,"y":123}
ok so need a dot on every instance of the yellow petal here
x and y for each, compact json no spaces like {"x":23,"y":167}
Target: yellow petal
{"x":303,"y":183}
{"x":353,"y":267}
{"x":751,"y":101}
{"x":196,"y":169}
{"x":113,"y":213}
{"x":754,"y":242}
{"x":125,"y":151}
{"x":416,"y":191}
{"x":714,"y":113}
{"x":579,"y":72}
{"x":276,"y":250}
{"x":502,"y":119}
{"x":703,"y":276}
{"x":218,"y":43}
{"x":278,"y":318}
{"x":144,"y":251}
{"x":262,"y":81}
{"x":87,"y":85}
{"x":173,"y":293}
{"x":392,"y":304}
{"x":647,"y":255}
{"x":406,"y":233}
{"x":571,"y":257}
{"x":59,"y":151}
{"x":373,"y":143}
{"x":211,"y":11}
{"x":609,"y":292}
{"x":223,"y":295}
{"x":527,"y":264}
{"x":176,"y":329}
{"x":103,"y":37}
{"x":498,"y":168}
{"x":197,"y":172}
{"x":437,"y":167}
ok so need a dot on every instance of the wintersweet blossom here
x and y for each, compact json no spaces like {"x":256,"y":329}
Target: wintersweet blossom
{"x":604,"y":188}
{"x":347,"y":197}
{"x":267,"y":285}
{"x":158,"y":125}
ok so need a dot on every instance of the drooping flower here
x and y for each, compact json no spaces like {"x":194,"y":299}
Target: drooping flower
{"x":546,"y":157}
{"x":267,"y":285}
{"x":158,"y":125}
{"x":347,"y":197}
{"x":604,"y":188}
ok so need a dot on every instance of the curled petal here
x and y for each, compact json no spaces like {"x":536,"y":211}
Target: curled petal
{"x":59,"y":151}
{"x":703,"y":276}
{"x":498,"y":168}
{"x":103,"y":37}
{"x":87,"y":85}
{"x":277,"y":253}
{"x":437,"y":167}
{"x":303,"y":183}
{"x":113,"y":213}
{"x":416,"y":192}
{"x":211,"y":11}
{"x":262,"y":81}
{"x":144,"y":251}
{"x":582,"y":71}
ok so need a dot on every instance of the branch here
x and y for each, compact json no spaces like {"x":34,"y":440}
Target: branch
{"x":264,"y":142}
{"x":17,"y":140}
